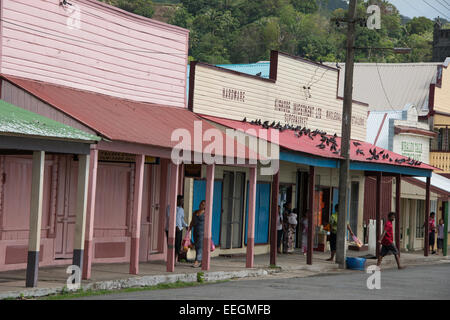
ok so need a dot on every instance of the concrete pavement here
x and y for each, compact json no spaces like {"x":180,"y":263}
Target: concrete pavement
{"x":115,"y":276}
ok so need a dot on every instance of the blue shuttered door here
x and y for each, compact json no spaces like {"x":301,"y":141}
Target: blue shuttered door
{"x":262,"y":213}
{"x":200,"y":194}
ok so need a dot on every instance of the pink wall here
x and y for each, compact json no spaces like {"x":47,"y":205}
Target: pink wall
{"x":114,"y":205}
{"x":112,"y":52}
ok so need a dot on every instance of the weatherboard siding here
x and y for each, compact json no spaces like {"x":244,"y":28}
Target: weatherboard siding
{"x":442,"y":94}
{"x":261,"y":95}
{"x":112,"y":52}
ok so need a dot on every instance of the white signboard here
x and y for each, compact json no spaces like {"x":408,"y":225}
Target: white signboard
{"x":301,"y":93}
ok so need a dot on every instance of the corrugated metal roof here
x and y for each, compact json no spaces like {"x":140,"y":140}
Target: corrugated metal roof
{"x":18,"y":121}
{"x":288,"y":140}
{"x":124,"y":120}
{"x":390,"y":86}
{"x":437,"y":181}
{"x":260,"y":68}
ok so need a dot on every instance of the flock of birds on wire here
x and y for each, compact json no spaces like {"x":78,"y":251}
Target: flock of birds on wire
{"x":327,"y":141}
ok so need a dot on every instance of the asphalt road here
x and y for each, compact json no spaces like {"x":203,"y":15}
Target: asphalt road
{"x":415,"y":282}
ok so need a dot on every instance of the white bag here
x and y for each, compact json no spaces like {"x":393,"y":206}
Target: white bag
{"x":292,"y":219}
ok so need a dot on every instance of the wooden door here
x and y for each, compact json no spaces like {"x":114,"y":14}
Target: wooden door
{"x":66,"y":213}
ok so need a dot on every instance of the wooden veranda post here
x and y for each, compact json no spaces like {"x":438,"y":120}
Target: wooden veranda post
{"x":251,"y":219}
{"x":206,"y":253}
{"x":274,"y":218}
{"x":37,"y":184}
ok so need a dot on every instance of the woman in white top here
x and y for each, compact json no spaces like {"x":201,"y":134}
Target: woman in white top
{"x":279,"y":229}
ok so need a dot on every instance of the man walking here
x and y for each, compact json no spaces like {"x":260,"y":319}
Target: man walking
{"x":180,"y":223}
{"x":387,"y":242}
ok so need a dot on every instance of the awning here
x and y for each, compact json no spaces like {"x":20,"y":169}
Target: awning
{"x":439,"y":184}
{"x":124,"y":120}
{"x":363,"y":155}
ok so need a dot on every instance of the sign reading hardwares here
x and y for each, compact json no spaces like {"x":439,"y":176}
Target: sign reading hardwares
{"x":109,"y":156}
{"x":302,"y":94}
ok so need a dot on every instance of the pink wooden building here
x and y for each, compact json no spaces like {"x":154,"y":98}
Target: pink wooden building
{"x":115,"y":75}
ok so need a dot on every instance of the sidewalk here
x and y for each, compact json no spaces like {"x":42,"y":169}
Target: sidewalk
{"x":115,"y":276}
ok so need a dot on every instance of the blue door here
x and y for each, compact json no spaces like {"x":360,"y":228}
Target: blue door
{"x":200,"y":194}
{"x":262,"y":213}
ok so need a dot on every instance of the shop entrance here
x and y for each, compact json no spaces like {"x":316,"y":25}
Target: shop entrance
{"x":66,"y":215}
{"x":233,"y":209}
{"x":152,"y":219}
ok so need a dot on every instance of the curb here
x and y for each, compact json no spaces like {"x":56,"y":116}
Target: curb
{"x":144,"y":281}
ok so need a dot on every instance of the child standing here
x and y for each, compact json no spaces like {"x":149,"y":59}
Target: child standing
{"x":440,"y":237}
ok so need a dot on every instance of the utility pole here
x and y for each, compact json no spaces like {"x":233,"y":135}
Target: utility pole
{"x":346,"y":133}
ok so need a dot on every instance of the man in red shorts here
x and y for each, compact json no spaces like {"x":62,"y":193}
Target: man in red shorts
{"x":387,"y":241}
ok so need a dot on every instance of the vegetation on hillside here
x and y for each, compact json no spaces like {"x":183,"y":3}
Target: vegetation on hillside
{"x":241,"y":31}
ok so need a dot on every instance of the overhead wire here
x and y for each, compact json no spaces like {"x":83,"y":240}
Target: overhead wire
{"x":436,"y":9}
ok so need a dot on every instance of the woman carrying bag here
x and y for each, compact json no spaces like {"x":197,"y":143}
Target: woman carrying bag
{"x":198,"y":223}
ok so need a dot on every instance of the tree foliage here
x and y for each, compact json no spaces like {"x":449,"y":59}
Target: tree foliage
{"x":240,"y":31}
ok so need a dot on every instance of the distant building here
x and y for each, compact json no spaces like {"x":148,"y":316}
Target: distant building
{"x":441,"y":43}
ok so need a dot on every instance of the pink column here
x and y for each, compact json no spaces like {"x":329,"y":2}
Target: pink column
{"x":251,"y":219}
{"x":137,"y":210}
{"x":89,"y":234}
{"x":206,"y":256}
{"x":174,"y":170}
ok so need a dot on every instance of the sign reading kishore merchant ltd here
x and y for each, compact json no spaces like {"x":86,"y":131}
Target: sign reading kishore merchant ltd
{"x":298,"y":92}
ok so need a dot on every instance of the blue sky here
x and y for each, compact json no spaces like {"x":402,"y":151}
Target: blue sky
{"x":417,"y":8}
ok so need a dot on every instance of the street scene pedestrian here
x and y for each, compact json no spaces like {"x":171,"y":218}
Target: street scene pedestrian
{"x":198,"y":224}
{"x":279,"y":230}
{"x":432,"y":232}
{"x":440,"y":236}
{"x":387,"y":242}
{"x":180,"y":225}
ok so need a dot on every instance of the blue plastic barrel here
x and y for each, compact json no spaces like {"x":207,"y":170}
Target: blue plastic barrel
{"x":355,"y":263}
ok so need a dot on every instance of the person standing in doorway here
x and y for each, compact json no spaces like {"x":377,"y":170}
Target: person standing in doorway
{"x":440,"y":237}
{"x":292,"y":220}
{"x":304,"y":230}
{"x":432,"y":232}
{"x":286,"y":227}
{"x":198,"y":223}
{"x":180,"y":224}
{"x":279,"y":229}
{"x":387,"y":242}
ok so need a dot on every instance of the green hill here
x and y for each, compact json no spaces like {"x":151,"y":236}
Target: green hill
{"x":241,"y":31}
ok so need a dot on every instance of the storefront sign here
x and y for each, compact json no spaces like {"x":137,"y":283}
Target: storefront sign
{"x":229,"y":94}
{"x":109,"y":156}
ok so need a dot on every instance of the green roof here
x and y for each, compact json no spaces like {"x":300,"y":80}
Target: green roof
{"x":17,"y":121}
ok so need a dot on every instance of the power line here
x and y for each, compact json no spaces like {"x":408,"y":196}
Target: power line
{"x":445,"y":6}
{"x":436,"y":9}
{"x":382,"y":86}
